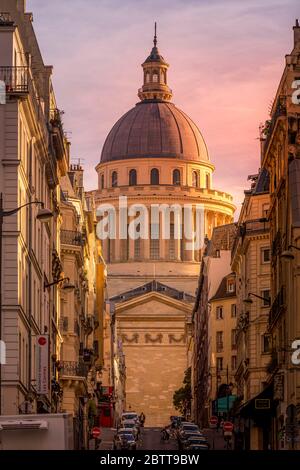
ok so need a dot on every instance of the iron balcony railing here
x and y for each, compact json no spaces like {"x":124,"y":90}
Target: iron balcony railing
{"x":71,"y":237}
{"x":16,"y":79}
{"x":73,"y":369}
{"x":277,"y":306}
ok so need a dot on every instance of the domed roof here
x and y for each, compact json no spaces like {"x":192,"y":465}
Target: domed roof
{"x":154,"y":129}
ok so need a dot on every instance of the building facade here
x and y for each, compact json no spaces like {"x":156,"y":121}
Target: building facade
{"x":213,"y":324}
{"x":153,"y":155}
{"x":34,"y":154}
{"x":251,"y":263}
{"x":81,"y":312}
{"x":281,"y":153}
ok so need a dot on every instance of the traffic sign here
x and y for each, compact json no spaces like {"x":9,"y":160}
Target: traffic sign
{"x":213,"y":421}
{"x":96,"y":432}
{"x":228,"y":426}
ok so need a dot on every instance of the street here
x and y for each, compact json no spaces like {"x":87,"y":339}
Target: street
{"x":150,"y":439}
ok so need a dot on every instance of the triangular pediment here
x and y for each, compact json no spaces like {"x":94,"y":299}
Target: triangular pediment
{"x":156,"y":302}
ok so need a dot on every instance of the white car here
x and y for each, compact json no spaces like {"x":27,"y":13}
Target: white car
{"x":129,"y":415}
{"x":131,"y":424}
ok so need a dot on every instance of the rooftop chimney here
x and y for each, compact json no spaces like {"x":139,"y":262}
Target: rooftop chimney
{"x":296,"y":29}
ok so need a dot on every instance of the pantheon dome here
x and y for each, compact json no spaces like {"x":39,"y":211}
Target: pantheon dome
{"x":154,"y":128}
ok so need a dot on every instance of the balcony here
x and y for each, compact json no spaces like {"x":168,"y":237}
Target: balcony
{"x":57,"y":131}
{"x":71,"y":237}
{"x":16,"y":80}
{"x":277,"y":307}
{"x":279,"y":111}
{"x":73,"y":369}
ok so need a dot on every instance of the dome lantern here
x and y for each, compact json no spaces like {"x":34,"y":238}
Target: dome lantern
{"x":155,"y":69}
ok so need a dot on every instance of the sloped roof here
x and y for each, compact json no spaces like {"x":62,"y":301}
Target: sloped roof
{"x":153,"y":286}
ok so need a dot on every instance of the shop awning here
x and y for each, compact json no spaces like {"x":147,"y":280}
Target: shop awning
{"x":260,"y":405}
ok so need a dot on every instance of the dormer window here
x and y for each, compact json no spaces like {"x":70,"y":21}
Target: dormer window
{"x":230,"y":285}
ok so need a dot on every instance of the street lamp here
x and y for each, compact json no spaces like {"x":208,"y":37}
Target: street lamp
{"x":288,"y":254}
{"x":44,"y":215}
{"x":67,"y":285}
{"x":248,"y":300}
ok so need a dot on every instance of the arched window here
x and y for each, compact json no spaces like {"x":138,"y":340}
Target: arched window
{"x":176,"y":177}
{"x":102,"y":181}
{"x":147,"y":77}
{"x":154,"y":176}
{"x":207,"y":181}
{"x":195,"y":179}
{"x":132,"y":178}
{"x":114,"y":179}
{"x":155,"y":76}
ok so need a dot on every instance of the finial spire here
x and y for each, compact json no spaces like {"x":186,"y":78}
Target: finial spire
{"x":155,"y":37}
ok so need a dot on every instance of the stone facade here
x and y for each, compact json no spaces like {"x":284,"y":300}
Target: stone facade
{"x":281,"y":152}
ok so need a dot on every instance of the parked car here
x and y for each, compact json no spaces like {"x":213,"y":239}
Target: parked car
{"x":198,"y":447}
{"x":125,"y":431}
{"x":131,"y":424}
{"x":195,"y":441}
{"x":189,"y":434}
{"x":124,"y":441}
{"x":129,"y":415}
{"x":187,"y":427}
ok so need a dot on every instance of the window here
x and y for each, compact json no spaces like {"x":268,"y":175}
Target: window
{"x":195,"y":182}
{"x":176,"y":177}
{"x":155,"y":76}
{"x":233,"y":362}
{"x":137,"y":244}
{"x":233,"y":339}
{"x":219,"y":340}
{"x":265,"y":255}
{"x":137,"y":248}
{"x":114,"y":179}
{"x":172,"y":242}
{"x":266,"y":343}
{"x":102,"y":181}
{"x":147,"y":77}
{"x":207,"y":180}
{"x":154,"y":242}
{"x":220,"y":313}
{"x":154,"y":179}
{"x":132,"y":178}
{"x":233,"y":310}
{"x":266,"y":295}
{"x":219,"y":363}
{"x":265,"y":209}
{"x":230,"y":285}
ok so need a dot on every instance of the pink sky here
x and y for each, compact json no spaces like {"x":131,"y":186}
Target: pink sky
{"x":226,"y":59}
